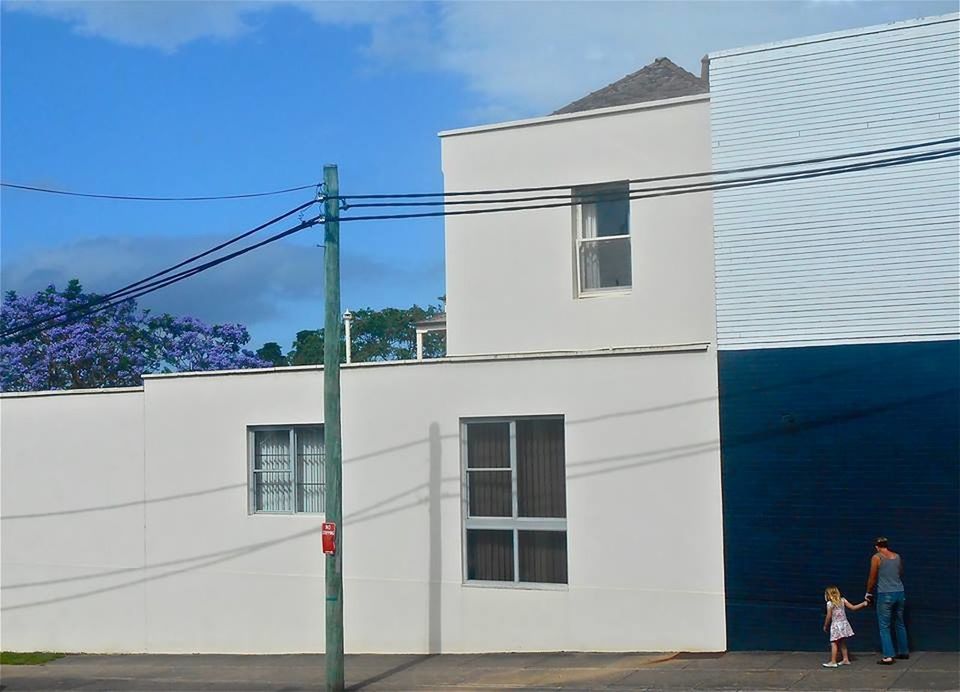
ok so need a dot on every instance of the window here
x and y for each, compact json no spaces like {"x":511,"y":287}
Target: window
{"x":602,"y":220}
{"x":286,"y":469}
{"x":515,"y":501}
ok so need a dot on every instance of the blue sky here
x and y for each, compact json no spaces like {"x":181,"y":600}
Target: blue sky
{"x":187,"y":98}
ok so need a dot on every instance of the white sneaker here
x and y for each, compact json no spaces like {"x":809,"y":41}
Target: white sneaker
{"x":830,"y":664}
{"x":843,"y":663}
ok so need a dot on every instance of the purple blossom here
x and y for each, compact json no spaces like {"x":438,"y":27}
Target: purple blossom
{"x":110,"y":348}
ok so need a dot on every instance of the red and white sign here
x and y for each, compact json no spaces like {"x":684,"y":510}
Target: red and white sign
{"x":328,"y":533}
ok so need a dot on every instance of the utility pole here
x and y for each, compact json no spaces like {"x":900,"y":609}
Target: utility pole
{"x":333,"y":465}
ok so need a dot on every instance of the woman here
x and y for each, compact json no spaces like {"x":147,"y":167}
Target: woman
{"x":886,"y":572}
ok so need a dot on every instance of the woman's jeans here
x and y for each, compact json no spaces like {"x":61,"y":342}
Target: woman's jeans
{"x":890,"y":611}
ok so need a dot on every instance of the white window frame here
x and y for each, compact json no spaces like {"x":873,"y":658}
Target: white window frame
{"x":515,"y":523}
{"x":579,"y":240}
{"x":251,"y":453}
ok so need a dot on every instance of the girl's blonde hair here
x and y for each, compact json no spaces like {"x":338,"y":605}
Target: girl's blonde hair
{"x":832,"y":594}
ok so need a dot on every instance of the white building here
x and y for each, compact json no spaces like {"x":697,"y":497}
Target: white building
{"x":552,"y":484}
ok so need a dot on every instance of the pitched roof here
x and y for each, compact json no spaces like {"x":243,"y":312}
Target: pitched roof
{"x":661,"y":79}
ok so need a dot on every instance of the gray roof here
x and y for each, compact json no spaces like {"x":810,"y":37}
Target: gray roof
{"x":435,"y":321}
{"x":661,"y":79}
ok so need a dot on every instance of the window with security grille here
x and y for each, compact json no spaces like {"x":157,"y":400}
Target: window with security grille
{"x":286,"y":469}
{"x":515,"y":522}
{"x":602,"y":231}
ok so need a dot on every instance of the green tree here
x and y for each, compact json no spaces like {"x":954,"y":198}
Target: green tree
{"x":272,"y":353}
{"x":376,"y":335}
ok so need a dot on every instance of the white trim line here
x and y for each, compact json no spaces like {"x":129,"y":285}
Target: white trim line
{"x":696,"y":346}
{"x":779,"y":342}
{"x":579,"y":115}
{"x":542,"y":355}
{"x":211,"y":373}
{"x":63,"y":392}
{"x":837,"y":35}
{"x":462,"y":358}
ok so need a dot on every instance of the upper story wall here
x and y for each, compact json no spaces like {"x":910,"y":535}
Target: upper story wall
{"x":863,"y":256}
{"x":512,"y":278}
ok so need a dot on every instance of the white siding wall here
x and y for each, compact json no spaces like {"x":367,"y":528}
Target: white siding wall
{"x":163,"y":555}
{"x":865,"y":256}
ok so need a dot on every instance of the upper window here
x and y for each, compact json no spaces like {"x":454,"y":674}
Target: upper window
{"x":286,"y":469}
{"x":602,"y":218}
{"x":516,"y":504}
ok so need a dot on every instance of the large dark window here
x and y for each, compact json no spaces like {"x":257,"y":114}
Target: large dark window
{"x":516,"y":502}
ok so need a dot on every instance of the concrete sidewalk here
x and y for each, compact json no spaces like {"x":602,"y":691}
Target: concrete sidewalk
{"x":569,"y":671}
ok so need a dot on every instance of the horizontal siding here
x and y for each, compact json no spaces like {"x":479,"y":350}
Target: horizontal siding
{"x":864,"y":255}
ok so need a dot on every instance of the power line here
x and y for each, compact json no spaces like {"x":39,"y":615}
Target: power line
{"x":146,"y":198}
{"x":680,"y":176}
{"x":147,"y":285}
{"x":82,"y":311}
{"x":618,"y":194}
{"x":677,"y":190}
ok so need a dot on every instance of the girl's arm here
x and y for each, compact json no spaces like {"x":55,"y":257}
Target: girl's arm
{"x":849,"y":605}
{"x":826,"y":621}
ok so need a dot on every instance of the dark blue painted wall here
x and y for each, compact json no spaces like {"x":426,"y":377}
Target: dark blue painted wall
{"x":825,"y":448}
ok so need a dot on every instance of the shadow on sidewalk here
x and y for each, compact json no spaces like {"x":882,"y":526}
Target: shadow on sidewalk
{"x":391,"y":672}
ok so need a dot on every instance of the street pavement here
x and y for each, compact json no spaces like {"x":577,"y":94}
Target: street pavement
{"x":545,"y":671}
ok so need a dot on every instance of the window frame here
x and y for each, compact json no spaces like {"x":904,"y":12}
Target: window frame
{"x":294,"y":477}
{"x":514,"y":523}
{"x":578,"y":240}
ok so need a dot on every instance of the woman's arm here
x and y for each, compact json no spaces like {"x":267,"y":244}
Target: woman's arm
{"x":874,"y":569}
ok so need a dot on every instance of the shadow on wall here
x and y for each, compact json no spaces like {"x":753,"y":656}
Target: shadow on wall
{"x":435,"y":624}
{"x":790,"y":558}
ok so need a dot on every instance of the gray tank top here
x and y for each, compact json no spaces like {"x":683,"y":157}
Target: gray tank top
{"x":888,"y":576}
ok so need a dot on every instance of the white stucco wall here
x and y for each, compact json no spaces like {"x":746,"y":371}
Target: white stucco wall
{"x":511,"y":276}
{"x":645,"y":542}
{"x":72,"y":522}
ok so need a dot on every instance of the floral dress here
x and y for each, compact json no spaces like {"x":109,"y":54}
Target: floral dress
{"x":839,"y":625}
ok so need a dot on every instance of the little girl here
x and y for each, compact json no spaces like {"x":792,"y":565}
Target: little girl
{"x":840,"y":629}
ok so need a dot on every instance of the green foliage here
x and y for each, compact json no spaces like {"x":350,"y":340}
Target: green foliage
{"x":272,"y":353}
{"x":376,"y":335}
{"x":308,"y":348}
{"x":32,"y":658}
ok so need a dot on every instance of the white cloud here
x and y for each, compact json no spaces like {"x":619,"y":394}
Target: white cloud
{"x":166,"y":25}
{"x":518,"y":58}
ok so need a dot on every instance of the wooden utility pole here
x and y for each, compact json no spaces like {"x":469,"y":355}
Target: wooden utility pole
{"x":331,"y":430}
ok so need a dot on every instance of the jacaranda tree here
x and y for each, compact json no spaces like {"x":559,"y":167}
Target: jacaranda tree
{"x":113,"y":347}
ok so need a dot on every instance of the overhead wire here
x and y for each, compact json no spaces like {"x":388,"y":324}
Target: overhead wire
{"x":150,"y":198}
{"x":656,"y":179}
{"x":616,"y":194}
{"x":572,"y":200}
{"x":154,"y":282}
{"x":82,"y":311}
{"x":149,"y":284}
